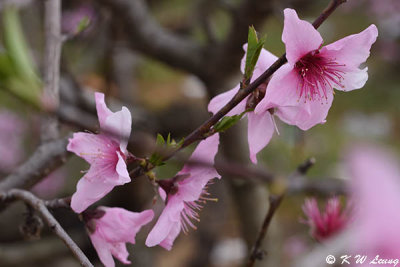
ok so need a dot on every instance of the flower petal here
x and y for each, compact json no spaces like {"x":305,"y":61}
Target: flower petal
{"x":103,"y":250}
{"x":260,"y":131}
{"x":102,"y":110}
{"x":352,"y":50}
{"x":281,"y":90}
{"x":191,"y":188}
{"x":166,"y":223}
{"x":122,"y":170}
{"x":120,"y":252}
{"x":354,"y":79}
{"x":306,"y":114}
{"x":88,"y":192}
{"x":173,"y":234}
{"x":222,"y":99}
{"x":119,"y":124}
{"x":299,"y":36}
{"x":92,"y":147}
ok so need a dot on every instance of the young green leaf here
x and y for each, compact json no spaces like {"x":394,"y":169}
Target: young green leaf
{"x":254,"y":47}
{"x":227,"y":122}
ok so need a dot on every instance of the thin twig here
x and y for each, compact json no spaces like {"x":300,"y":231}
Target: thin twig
{"x":39,"y":205}
{"x":274,"y":201}
{"x":51,"y":99}
{"x":257,"y":253}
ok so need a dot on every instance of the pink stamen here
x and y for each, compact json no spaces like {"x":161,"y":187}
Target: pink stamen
{"x":319,"y":75}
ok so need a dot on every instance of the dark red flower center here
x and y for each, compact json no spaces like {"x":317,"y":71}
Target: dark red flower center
{"x":318,"y":76}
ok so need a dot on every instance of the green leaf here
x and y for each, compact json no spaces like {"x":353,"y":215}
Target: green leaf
{"x":254,"y":47}
{"x":23,"y":81}
{"x":82,"y":25}
{"x":160,"y":140}
{"x":228,"y":121}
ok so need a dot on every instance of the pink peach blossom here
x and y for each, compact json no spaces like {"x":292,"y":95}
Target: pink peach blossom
{"x":105,"y":152}
{"x":260,"y":126}
{"x":324,"y":225}
{"x":184,"y":195}
{"x":111,"y":228}
{"x":375,"y":186}
{"x":302,"y":90}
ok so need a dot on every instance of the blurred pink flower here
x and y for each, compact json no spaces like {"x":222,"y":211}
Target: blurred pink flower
{"x":11,"y":139}
{"x":260,"y":126}
{"x":185,"y":195}
{"x":50,"y":186}
{"x":302,"y":90}
{"x":111,"y":228}
{"x":375,"y":185}
{"x":105,"y":152}
{"x":324,"y":225}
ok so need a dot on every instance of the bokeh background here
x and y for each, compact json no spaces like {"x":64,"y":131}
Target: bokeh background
{"x":102,"y":54}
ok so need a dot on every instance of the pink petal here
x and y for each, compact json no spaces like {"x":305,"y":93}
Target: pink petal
{"x":88,"y":192}
{"x":222,"y":99}
{"x":103,"y":250}
{"x":166,"y":224}
{"x":92,"y":147}
{"x":281,"y":90}
{"x":119,"y":124}
{"x":173,"y":234}
{"x":299,"y":36}
{"x":102,"y":110}
{"x":191,"y":188}
{"x":352,"y":50}
{"x":120,"y":225}
{"x":260,"y":131}
{"x":122,"y":170}
{"x":307,"y":114}
{"x":119,"y":251}
{"x":355,"y":79}
{"x":375,"y":185}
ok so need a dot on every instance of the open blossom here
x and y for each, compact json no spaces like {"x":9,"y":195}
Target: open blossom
{"x":105,"y":152}
{"x":111,"y":228}
{"x":375,"y":184}
{"x":326,"y":224}
{"x":302,"y":89}
{"x":185,"y":195}
{"x":260,"y":126}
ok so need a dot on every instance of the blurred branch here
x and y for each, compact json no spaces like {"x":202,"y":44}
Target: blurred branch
{"x":274,"y":201}
{"x":147,"y":36}
{"x":257,"y":253}
{"x":53,"y":41}
{"x":47,"y":157}
{"x":39,"y":205}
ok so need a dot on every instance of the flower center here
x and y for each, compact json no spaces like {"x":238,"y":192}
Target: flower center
{"x":319,"y":75}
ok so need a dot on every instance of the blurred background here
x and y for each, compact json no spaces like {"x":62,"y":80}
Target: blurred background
{"x":164,"y":60}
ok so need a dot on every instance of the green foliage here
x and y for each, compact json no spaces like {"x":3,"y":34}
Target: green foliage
{"x":254,"y":47}
{"x":17,"y":71}
{"x":162,"y":146}
{"x":228,"y":121}
{"x":83,"y":24}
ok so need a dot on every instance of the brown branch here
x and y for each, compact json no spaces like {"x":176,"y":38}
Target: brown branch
{"x":52,"y":20}
{"x":147,"y":36}
{"x":45,"y":159}
{"x":39,"y":205}
{"x":257,"y":253}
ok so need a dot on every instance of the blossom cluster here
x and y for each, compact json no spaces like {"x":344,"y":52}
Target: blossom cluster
{"x":300,"y":93}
